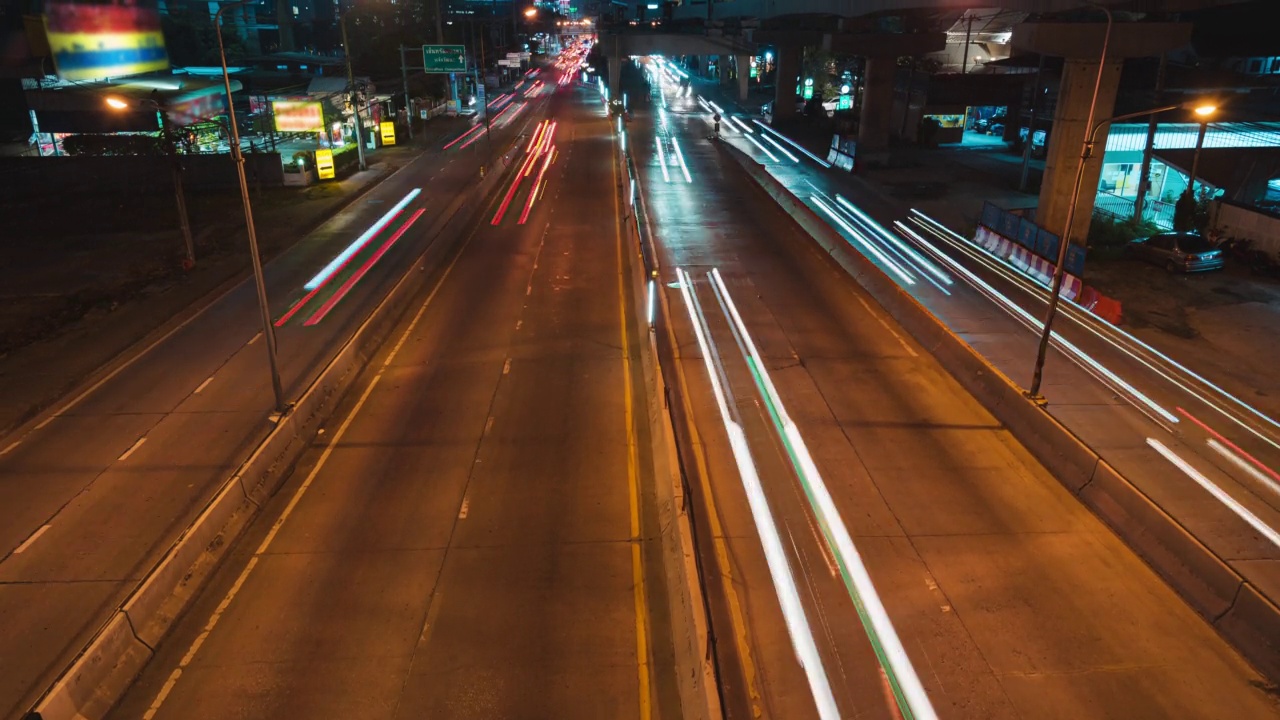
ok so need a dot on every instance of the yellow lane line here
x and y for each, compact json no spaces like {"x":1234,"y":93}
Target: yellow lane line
{"x":633,"y":463}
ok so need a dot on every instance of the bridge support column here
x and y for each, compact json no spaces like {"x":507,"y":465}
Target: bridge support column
{"x":722,"y":68}
{"x":743,"y":67}
{"x":1070,"y":125}
{"x":1080,"y":44}
{"x":877,"y":105}
{"x":784,"y":101}
{"x":615,"y":76}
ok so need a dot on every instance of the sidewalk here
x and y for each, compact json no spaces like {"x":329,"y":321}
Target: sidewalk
{"x":73,"y":301}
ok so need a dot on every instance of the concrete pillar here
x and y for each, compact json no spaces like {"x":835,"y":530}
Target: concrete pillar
{"x":722,"y":67}
{"x":877,"y":111}
{"x":615,"y":76}
{"x":743,"y":66}
{"x":1068,"y":134}
{"x":784,"y":101}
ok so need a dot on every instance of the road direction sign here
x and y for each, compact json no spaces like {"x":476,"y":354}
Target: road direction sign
{"x":444,"y":58}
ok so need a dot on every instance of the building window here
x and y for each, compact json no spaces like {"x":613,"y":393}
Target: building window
{"x":1255,"y":66}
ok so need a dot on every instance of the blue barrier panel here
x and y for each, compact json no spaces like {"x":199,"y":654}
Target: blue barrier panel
{"x":1047,"y":245}
{"x":1027,"y":233}
{"x":1075,"y":260}
{"x":1009,"y":225}
{"x":991,"y":216}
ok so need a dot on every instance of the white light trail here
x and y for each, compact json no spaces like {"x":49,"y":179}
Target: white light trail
{"x":1092,"y":322}
{"x":1244,"y":465}
{"x":1240,"y":510}
{"x":745,"y":128}
{"x":675,"y":146}
{"x":861,"y":589}
{"x":662,"y":161}
{"x":359,"y":243}
{"x":784,"y":583}
{"x":864,"y":242}
{"x":894,"y":240}
{"x":763,"y":149}
{"x":1094,"y":367}
{"x":652,"y":299}
{"x":781,"y":149}
{"x":792,"y":143}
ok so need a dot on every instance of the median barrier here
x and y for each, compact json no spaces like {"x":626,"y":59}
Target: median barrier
{"x":101,"y":673}
{"x":691,"y":635}
{"x":1214,"y":589}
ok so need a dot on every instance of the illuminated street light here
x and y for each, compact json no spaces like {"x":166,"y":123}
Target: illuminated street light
{"x":175,"y":167}
{"x":268,"y":330}
{"x":1203,"y":110}
{"x":531,"y":12}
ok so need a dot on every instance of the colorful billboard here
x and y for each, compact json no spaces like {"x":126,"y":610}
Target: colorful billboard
{"x":89,"y":42}
{"x":298,"y":116}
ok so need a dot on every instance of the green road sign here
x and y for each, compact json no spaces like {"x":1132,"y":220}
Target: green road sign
{"x":444,"y":58}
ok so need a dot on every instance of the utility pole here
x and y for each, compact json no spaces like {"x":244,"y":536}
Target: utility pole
{"x":351,"y":87}
{"x":408,"y":103}
{"x":1144,"y":178}
{"x":175,"y":164}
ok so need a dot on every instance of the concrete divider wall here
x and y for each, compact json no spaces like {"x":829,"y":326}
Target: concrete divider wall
{"x":108,"y":664}
{"x":691,"y":635}
{"x":1206,"y":582}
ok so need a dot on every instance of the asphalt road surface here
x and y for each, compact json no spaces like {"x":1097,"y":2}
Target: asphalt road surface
{"x":812,"y":411}
{"x":471,"y":537}
{"x":93,"y":492}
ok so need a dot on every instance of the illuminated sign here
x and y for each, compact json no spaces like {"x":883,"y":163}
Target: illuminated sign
{"x":388,"y":132}
{"x":808,"y":88}
{"x":444,"y":58}
{"x":297,"y":116}
{"x":91,"y":41}
{"x":324,"y":164}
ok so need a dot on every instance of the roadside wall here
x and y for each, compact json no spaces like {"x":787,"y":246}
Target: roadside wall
{"x":1234,"y":220}
{"x":31,"y":176}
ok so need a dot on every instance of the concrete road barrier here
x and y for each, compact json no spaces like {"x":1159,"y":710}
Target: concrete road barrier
{"x":692,"y":639}
{"x":1246,"y":618}
{"x":105,"y":668}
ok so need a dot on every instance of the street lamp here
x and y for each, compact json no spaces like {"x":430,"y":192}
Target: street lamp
{"x":351,"y":86}
{"x":531,"y":12}
{"x":175,"y":166}
{"x":268,"y":331}
{"x":1203,"y":110}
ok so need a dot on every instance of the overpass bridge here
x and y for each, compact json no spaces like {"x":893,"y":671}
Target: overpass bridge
{"x":881,"y":31}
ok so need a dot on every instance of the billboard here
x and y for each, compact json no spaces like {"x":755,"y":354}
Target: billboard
{"x":298,"y":116}
{"x":93,"y":41}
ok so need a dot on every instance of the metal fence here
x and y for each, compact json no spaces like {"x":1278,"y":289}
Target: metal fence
{"x":1119,"y":208}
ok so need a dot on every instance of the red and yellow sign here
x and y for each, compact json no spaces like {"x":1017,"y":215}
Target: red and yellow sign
{"x":388,"y":132}
{"x":92,"y":41}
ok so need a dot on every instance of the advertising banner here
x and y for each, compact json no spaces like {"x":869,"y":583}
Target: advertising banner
{"x":298,"y":116}
{"x":92,"y":41}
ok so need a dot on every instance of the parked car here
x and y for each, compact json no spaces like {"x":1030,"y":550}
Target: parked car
{"x":1178,"y":252}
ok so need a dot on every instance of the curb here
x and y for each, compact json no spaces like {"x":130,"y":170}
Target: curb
{"x":1224,"y":598}
{"x":692,"y":637}
{"x":105,"y":668}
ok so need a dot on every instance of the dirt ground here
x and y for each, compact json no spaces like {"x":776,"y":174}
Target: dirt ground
{"x":73,"y":258}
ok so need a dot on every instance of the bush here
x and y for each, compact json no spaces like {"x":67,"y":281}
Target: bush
{"x":103,"y":145}
{"x":1106,"y":234}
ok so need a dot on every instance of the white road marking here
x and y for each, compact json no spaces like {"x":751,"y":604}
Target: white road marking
{"x":488,"y":425}
{"x":131,"y":450}
{"x":462,"y":512}
{"x":253,"y":339}
{"x":13,"y":445}
{"x":204,"y":384}
{"x":29,"y":541}
{"x":506,"y":366}
{"x":293,"y":503}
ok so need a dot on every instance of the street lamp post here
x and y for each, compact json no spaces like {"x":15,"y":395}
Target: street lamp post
{"x":351,"y":87}
{"x":1065,"y":240}
{"x":175,"y":166}
{"x":1202,"y":110}
{"x":268,"y":331}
